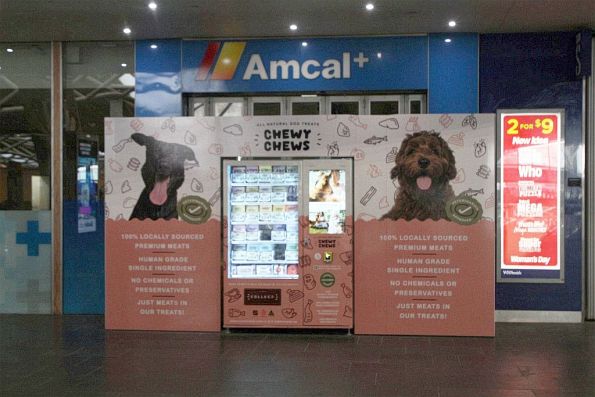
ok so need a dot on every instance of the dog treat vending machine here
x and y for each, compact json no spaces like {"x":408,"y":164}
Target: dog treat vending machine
{"x":288,"y":244}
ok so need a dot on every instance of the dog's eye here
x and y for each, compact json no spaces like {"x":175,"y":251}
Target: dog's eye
{"x":436,"y":151}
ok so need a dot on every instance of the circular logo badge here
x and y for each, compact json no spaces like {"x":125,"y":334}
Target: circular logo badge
{"x":194,"y":209}
{"x":464,"y":210}
{"x":327,"y":279}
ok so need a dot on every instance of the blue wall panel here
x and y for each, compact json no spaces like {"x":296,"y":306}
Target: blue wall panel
{"x":158,"y":85}
{"x":83,"y":264}
{"x":538,"y":71}
{"x":453,"y":73}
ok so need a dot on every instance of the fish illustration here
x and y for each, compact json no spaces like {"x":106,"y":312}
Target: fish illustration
{"x":472,"y":192}
{"x":374,"y":140}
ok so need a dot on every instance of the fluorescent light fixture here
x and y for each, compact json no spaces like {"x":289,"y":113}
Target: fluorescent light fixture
{"x":308,"y":95}
{"x":452,"y":24}
{"x":304,"y":44}
{"x":9,"y":50}
{"x":124,"y":65}
{"x":447,"y":40}
{"x":293,"y":26}
{"x":153,"y":5}
{"x":369,"y":6}
{"x":153,"y":46}
{"x":126,"y":30}
{"x":379,"y":55}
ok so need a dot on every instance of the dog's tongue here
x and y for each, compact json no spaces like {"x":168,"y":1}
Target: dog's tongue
{"x":158,"y":195}
{"x":424,"y":182}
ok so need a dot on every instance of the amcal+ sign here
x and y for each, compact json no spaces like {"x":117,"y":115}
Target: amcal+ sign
{"x":231,"y":53}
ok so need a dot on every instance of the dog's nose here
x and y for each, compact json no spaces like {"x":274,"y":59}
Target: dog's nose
{"x":423,"y":162}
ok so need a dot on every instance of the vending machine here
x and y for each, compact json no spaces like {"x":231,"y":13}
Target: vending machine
{"x":288,"y":256}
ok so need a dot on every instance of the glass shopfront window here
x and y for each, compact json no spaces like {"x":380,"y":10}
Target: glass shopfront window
{"x":25,"y":165}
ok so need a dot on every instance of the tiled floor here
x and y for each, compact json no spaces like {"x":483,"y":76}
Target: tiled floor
{"x":74,"y":356}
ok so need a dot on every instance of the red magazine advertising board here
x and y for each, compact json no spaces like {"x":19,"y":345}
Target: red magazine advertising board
{"x":530,"y":185}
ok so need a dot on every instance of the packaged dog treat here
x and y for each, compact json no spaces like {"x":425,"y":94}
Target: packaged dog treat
{"x":280,"y":270}
{"x":251,"y":174}
{"x":252,"y":194}
{"x":278,"y":233}
{"x":238,"y":193}
{"x":238,"y":233}
{"x":238,"y":252}
{"x":292,"y":174}
{"x":291,"y":212}
{"x":266,"y":212}
{"x":252,"y":212}
{"x":292,"y":193}
{"x":278,"y":213}
{"x":238,"y":174}
{"x":279,"y":250}
{"x":292,"y":232}
{"x":279,"y":194}
{"x":265,"y":174}
{"x":278,"y":174}
{"x":266,"y":232}
{"x":252,"y":233}
{"x":238,"y":213}
{"x":264,"y":194}
{"x":245,"y":270}
{"x":291,"y":252}
{"x":265,"y":270}
{"x":253,"y":253}
{"x":266,"y":253}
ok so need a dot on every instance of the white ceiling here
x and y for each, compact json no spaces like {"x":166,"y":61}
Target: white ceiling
{"x":69,"y":20}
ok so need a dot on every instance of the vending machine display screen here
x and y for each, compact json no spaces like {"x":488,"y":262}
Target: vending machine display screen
{"x":263,"y":221}
{"x":327,"y":202}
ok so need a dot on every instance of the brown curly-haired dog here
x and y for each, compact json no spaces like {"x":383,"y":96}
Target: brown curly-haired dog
{"x":424,"y":166}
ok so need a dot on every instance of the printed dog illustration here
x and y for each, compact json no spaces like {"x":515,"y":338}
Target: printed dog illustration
{"x":163,"y":174}
{"x":424,"y":166}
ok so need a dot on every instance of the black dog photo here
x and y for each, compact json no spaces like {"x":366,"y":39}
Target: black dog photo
{"x":163,"y":174}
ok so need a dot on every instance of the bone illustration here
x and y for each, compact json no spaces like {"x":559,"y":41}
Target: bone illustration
{"x":343,"y":130}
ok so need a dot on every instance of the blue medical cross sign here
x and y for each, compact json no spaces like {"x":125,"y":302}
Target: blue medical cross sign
{"x":33,"y":238}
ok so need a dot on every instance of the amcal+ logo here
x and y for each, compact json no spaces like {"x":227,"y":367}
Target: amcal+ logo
{"x":310,"y":69}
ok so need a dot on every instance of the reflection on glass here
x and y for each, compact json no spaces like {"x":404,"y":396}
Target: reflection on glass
{"x":415,"y":107}
{"x":384,"y":107}
{"x":228,"y":109}
{"x":266,"y":109}
{"x":345,"y":108}
{"x":327,"y":202}
{"x":25,"y":128}
{"x":305,"y":108}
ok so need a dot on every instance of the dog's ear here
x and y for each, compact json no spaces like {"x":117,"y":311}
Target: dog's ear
{"x":142,"y":139}
{"x":394,"y":172}
{"x":188,"y":154}
{"x":451,"y":172}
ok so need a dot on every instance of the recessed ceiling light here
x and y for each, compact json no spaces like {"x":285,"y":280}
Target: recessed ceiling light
{"x":452,"y":24}
{"x":126,"y":30}
{"x":9,"y":50}
{"x":293,"y":26}
{"x":304,"y":44}
{"x":124,"y":65}
{"x":379,"y":55}
{"x":153,"y":5}
{"x":153,"y":46}
{"x":447,"y":40}
{"x":369,"y":6}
